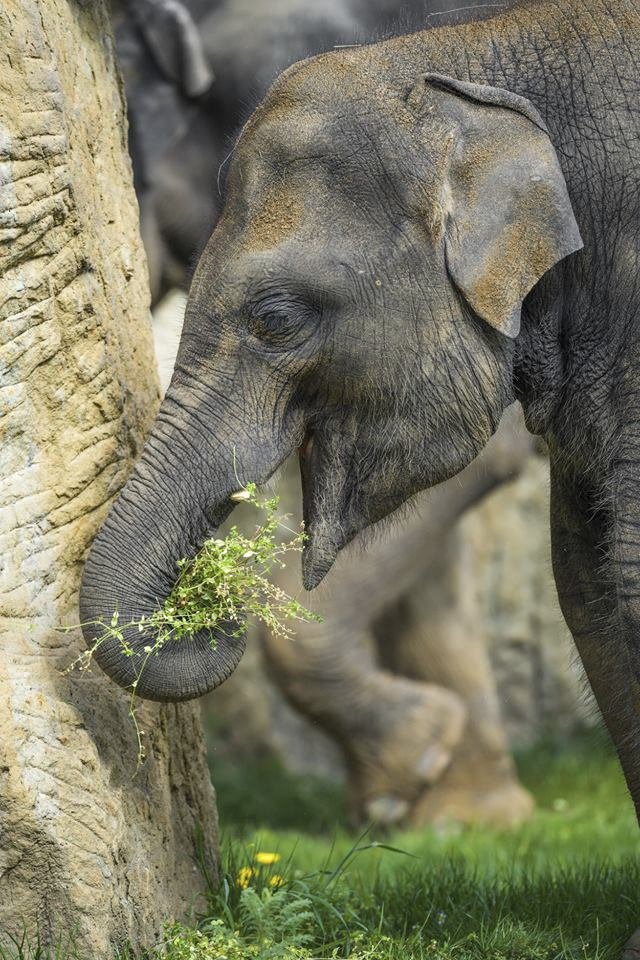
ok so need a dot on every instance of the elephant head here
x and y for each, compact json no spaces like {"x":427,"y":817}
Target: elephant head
{"x":359,"y":301}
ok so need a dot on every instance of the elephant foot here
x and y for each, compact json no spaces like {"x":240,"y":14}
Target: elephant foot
{"x":419,"y":727}
{"x":499,"y":805}
{"x":632,"y":947}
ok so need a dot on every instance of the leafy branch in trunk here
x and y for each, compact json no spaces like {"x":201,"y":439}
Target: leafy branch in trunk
{"x":215,"y":591}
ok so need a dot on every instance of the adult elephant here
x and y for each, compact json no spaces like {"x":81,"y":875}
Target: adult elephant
{"x":392,"y":267}
{"x":167,"y":78}
{"x":183,"y":128}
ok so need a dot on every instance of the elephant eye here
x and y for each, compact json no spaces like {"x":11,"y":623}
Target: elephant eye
{"x":276,"y":319}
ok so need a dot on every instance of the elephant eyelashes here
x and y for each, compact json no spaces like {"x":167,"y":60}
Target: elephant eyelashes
{"x":276,"y":321}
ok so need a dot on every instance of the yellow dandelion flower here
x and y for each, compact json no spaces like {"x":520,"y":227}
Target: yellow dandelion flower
{"x":244,"y":877}
{"x":276,"y":880}
{"x":266,"y":859}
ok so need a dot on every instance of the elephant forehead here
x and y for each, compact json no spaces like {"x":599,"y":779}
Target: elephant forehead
{"x":316,"y":81}
{"x":277,"y":216}
{"x":299,"y":111}
{"x":283,"y":135}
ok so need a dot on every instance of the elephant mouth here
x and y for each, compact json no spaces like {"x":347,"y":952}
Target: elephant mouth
{"x":326,"y":500}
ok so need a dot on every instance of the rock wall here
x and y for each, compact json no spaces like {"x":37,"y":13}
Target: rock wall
{"x":86,"y":844}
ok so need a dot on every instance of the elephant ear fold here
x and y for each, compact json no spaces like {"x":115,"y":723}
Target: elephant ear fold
{"x":172,"y":36}
{"x":508,"y":216}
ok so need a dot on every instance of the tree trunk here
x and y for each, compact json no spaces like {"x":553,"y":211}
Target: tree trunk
{"x":86,"y":846}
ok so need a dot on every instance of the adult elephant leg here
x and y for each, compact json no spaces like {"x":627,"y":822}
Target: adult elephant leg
{"x":397,"y":735}
{"x":598,"y":605}
{"x":392,"y":728}
{"x":435,"y":635}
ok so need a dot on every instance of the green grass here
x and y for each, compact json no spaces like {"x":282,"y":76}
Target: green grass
{"x":26,"y":947}
{"x":583,"y":813}
{"x":564,"y":887}
{"x":263,"y":795}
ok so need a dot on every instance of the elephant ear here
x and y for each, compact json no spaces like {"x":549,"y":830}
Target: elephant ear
{"x":508,"y":216}
{"x":173,"y":39}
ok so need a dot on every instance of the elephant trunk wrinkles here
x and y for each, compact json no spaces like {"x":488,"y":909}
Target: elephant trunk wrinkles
{"x":176,"y":497}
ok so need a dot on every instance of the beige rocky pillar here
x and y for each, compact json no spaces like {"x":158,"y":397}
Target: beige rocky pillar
{"x":86,"y":846}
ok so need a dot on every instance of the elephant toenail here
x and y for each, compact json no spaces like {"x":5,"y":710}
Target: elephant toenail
{"x":433,"y":763}
{"x":387,"y":809}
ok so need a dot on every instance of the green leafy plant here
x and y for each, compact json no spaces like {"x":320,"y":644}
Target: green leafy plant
{"x":215,"y":941}
{"x":273,"y":918}
{"x":227,"y":581}
{"x":274,"y":925}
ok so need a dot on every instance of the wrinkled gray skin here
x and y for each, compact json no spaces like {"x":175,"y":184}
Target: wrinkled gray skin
{"x":360,"y":299}
{"x":180,"y":141}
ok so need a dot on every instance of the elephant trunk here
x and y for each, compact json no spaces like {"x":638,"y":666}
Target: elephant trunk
{"x":177,"y":496}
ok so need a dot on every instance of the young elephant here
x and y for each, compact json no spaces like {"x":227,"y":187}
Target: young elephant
{"x":389,"y":272}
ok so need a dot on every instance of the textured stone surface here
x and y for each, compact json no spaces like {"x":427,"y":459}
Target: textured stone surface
{"x":84,"y":845}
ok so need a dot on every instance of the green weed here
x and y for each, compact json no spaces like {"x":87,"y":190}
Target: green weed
{"x":226,"y":582}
